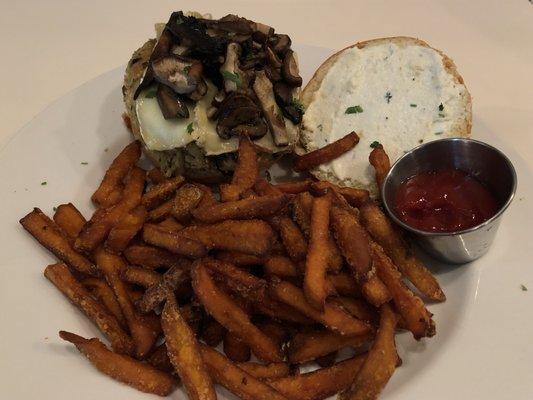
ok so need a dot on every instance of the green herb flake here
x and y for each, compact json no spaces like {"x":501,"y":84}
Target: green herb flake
{"x":375,"y":144}
{"x":523,"y":287}
{"x":234,"y":77}
{"x":84,"y":163}
{"x":151,"y":93}
{"x":179,"y":21}
{"x":298,"y":105}
{"x":44,"y":183}
{"x":413,"y":105}
{"x":439,"y":133}
{"x":320,"y":127}
{"x":354,"y":110}
{"x":441,"y":107}
{"x":186,"y":69}
{"x":388,"y":97}
{"x":190,"y":129}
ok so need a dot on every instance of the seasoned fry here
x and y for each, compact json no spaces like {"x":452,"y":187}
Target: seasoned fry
{"x":104,"y":294}
{"x":226,"y":311}
{"x":95,"y":231}
{"x":381,"y":163}
{"x":415,"y":315}
{"x":160,"y":192}
{"x":355,"y":197}
{"x":52,"y":238}
{"x":144,"y":335}
{"x":186,"y":199}
{"x":294,"y":187}
{"x":265,"y":371}
{"x":126,"y":229}
{"x":69,"y":219}
{"x":264,"y":188}
{"x":230,"y":273}
{"x":122,"y":368}
{"x":355,"y":248}
{"x":184,"y":353}
{"x":327,"y":153}
{"x":359,"y":308}
{"x":322,"y":383}
{"x":249,"y":208}
{"x":208,"y":197}
{"x":110,"y":190}
{"x":155,"y":175}
{"x":235,"y":349}
{"x":251,"y":237}
{"x":63,"y":279}
{"x":293,"y":239}
{"x":238,"y":258}
{"x":236,"y":380}
{"x":281,"y":267}
{"x":275,"y":330}
{"x":149,"y":257}
{"x":192,"y":313}
{"x":345,"y":285}
{"x":333,"y":317}
{"x":315,"y":266}
{"x":383,"y":232}
{"x":175,"y":242}
{"x":170,"y":224}
{"x":310,"y":345}
{"x":159,"y":359}
{"x":213,"y":333}
{"x":245,"y":174}
{"x":380,"y":363}
{"x":161,"y":212}
{"x":141,"y":276}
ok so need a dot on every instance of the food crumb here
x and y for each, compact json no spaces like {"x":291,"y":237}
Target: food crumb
{"x":523,"y":287}
{"x":106,"y":149}
{"x":84,"y":163}
{"x":44,"y":183}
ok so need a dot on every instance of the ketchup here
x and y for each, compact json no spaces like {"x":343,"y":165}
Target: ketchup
{"x":444,"y":201}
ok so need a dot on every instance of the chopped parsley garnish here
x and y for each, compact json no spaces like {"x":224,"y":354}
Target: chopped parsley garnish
{"x":320,"y":127}
{"x":151,"y":93}
{"x":413,"y":105}
{"x":388,"y":97}
{"x":54,"y":208}
{"x":298,"y":105}
{"x":44,"y":183}
{"x":354,"y":110}
{"x":186,"y":69}
{"x":441,"y":107}
{"x":524,"y":288}
{"x":439,"y":133}
{"x":375,"y":144}
{"x":234,"y":77}
{"x":84,"y":163}
{"x":190,"y":129}
{"x":179,"y":21}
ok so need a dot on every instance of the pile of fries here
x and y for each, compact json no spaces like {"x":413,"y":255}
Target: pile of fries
{"x":290,"y":273}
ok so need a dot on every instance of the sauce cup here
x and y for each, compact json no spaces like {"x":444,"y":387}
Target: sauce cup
{"x":480,"y":160}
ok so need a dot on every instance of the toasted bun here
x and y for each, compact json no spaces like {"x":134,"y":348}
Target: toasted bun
{"x":363,"y":74}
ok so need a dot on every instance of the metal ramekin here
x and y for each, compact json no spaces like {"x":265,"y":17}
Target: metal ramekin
{"x":484,"y":162}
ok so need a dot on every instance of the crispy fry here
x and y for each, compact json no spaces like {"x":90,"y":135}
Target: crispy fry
{"x":52,"y":238}
{"x":265,"y":371}
{"x":417,"y":318}
{"x":327,"y":153}
{"x":275,"y":330}
{"x":104,"y":294}
{"x":170,"y":224}
{"x":159,"y":359}
{"x":184,"y":353}
{"x":333,"y":317}
{"x":236,"y":380}
{"x":294,"y":187}
{"x":141,"y":276}
{"x":380,"y":363}
{"x":241,"y":209}
{"x":251,"y":237}
{"x":244,"y":280}
{"x":160,"y":192}
{"x":359,"y":308}
{"x":110,"y":190}
{"x":213,"y":333}
{"x":263,"y":188}
{"x":155,"y":175}
{"x":355,"y":248}
{"x":355,"y":197}
{"x":143,"y":334}
{"x":95,"y":231}
{"x":293,"y":239}
{"x":122,"y":368}
{"x":208,"y":197}
{"x":126,"y":229}
{"x":226,"y":311}
{"x":192,"y":313}
{"x":381,"y":163}
{"x":322,"y":383}
{"x":315,"y":266}
{"x":238,"y":258}
{"x":345,"y":284}
{"x":281,"y":267}
{"x":175,"y":242}
{"x":245,"y":174}
{"x":235,"y":349}
{"x":149,"y":257}
{"x":186,"y":199}
{"x":308,"y":346}
{"x":63,"y":279}
{"x":383,"y":232}
{"x":69,"y":219}
{"x":161,"y":212}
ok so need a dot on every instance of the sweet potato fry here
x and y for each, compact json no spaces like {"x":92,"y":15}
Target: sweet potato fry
{"x":275,"y":330}
{"x":265,"y":371}
{"x":230,"y":273}
{"x":333,"y":317}
{"x":415,"y":315}
{"x":213,"y":333}
{"x":293,"y":239}
{"x":380,"y":161}
{"x":110,"y":190}
{"x":52,"y":238}
{"x":281,"y":267}
{"x":383,"y":232}
{"x":235,"y":349}
{"x":69,"y":219}
{"x":355,"y":247}
{"x":294,"y":187}
{"x":155,"y":175}
{"x":208,"y":197}
{"x":175,"y":242}
{"x":193,"y":314}
{"x":236,"y":380}
{"x":126,"y":229}
{"x":249,"y":208}
{"x":186,"y":199}
{"x":316,"y":263}
{"x":245,"y":174}
{"x":380,"y":363}
{"x":159,"y":359}
{"x":95,"y":231}
{"x":355,"y":197}
{"x":63,"y":279}
{"x":309,"y":345}
{"x":142,"y":332}
{"x":264,"y":188}
{"x":238,"y":258}
{"x":160,"y":212}
{"x":149,"y":257}
{"x":322,"y":383}
{"x":359,"y":308}
{"x":327,"y":153}
{"x":160,"y":192}
{"x":345,"y":284}
{"x":122,"y":368}
{"x":226,"y":311}
{"x":104,"y":294}
{"x":251,"y":237}
{"x":184,"y":353}
{"x":141,"y":276}
{"x":170,"y":224}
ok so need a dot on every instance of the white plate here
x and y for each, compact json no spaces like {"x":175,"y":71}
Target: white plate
{"x":483,"y":348}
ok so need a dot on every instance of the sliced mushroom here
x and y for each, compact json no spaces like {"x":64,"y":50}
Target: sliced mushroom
{"x":282,"y":44}
{"x":170,"y":104}
{"x":219,"y":98}
{"x":255,"y":130}
{"x":283,"y":93}
{"x":235,"y":24}
{"x":265,"y":93}
{"x":272,"y":58}
{"x":290,"y":69}
{"x":179,"y":73}
{"x":238,"y":116}
{"x":293,"y":113}
{"x":163,"y":45}
{"x":179,"y":50}
{"x":274,"y":74}
{"x":212,"y":112}
{"x":192,"y":33}
{"x":231,"y":73}
{"x":264,"y":29}
{"x":199,"y":92}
